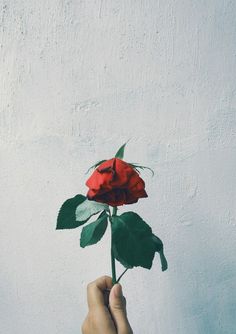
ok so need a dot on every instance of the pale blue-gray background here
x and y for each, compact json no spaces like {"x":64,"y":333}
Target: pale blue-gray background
{"x":79,"y":78}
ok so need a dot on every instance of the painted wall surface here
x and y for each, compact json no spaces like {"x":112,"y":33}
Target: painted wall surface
{"x":79,"y":78}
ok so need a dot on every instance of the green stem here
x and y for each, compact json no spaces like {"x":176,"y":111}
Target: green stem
{"x":113,"y":263}
{"x":113,"y":268}
{"x":122,"y":275}
{"x":114,"y":211}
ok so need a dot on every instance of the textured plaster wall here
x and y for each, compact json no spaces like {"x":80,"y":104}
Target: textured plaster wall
{"x":79,"y":78}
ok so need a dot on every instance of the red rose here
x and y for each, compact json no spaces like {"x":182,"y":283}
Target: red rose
{"x":115,"y":182}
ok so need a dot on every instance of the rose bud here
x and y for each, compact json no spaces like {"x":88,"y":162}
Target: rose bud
{"x":115,"y":183}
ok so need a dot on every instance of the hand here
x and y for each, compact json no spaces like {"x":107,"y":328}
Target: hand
{"x":103,"y":318}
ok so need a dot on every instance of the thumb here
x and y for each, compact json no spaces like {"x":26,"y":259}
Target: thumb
{"x":117,"y":305}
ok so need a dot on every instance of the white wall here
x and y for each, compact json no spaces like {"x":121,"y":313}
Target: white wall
{"x":78,"y":78}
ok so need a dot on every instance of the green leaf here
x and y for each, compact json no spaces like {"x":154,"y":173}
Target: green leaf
{"x":89,"y":208}
{"x":66,"y":217}
{"x":120,"y":152}
{"x":132,"y":242}
{"x":158,"y":243}
{"x":160,"y":249}
{"x":93,"y":232}
{"x":95,"y":165}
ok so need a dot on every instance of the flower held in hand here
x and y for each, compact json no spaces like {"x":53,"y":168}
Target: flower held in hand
{"x":114,"y":182}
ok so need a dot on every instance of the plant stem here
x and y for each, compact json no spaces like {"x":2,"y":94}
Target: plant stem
{"x":113,"y":263}
{"x":114,"y":211}
{"x":113,"y":268}
{"x":122,"y":275}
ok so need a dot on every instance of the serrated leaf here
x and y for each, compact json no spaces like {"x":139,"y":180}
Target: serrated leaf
{"x":89,"y":208}
{"x":160,"y":249}
{"x":132,"y":240}
{"x":95,"y":165}
{"x":120,"y":152}
{"x":66,"y":217}
{"x":93,"y":232}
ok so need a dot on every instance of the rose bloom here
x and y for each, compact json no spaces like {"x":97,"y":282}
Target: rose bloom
{"x":115,"y":183}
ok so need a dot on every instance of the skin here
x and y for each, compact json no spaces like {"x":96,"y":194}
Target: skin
{"x":103,"y":318}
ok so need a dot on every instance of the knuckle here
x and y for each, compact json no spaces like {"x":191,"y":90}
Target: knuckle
{"x":90,"y":286}
{"x":105,"y":278}
{"x":117,"y":306}
{"x":102,"y":278}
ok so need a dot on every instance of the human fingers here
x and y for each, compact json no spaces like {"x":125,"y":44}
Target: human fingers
{"x":117,"y":306}
{"x":95,"y":291}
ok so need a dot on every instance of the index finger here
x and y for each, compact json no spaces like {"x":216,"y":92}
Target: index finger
{"x":95,"y":291}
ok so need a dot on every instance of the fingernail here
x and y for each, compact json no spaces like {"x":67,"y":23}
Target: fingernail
{"x":118,"y":290}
